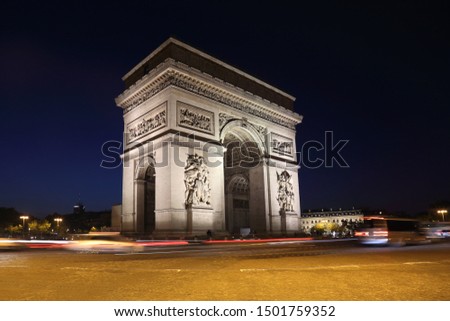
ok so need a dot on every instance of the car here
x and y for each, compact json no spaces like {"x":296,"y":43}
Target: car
{"x":11,"y":244}
{"x":390,"y":231}
{"x":436,"y":230}
{"x":104,"y":243}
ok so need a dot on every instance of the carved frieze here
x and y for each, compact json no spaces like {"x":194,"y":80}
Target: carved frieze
{"x":238,"y":104}
{"x":196,"y":180}
{"x":195,"y":118}
{"x":285,"y":195}
{"x":173,"y":78}
{"x":224,"y":119}
{"x":260,"y":129}
{"x":148,"y":123}
{"x":282,"y":145}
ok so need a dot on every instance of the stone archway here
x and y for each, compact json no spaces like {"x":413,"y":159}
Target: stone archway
{"x":243,"y":170}
{"x":237,"y":203}
{"x":180,"y":102}
{"x":145,"y":184}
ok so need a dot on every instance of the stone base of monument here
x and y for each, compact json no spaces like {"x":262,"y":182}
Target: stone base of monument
{"x":200,"y":219}
{"x":289,"y":222}
{"x":285,"y":223}
{"x":191,"y":222}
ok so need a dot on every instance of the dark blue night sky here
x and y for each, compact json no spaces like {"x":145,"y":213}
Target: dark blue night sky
{"x":377,"y":76}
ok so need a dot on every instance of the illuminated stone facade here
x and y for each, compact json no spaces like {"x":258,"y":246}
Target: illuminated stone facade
{"x":339,"y":217}
{"x":207,"y":147}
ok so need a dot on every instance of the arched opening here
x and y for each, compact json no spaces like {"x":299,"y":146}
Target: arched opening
{"x":241,"y":150}
{"x":149,"y":200}
{"x":243,"y":178}
{"x":145,"y":197}
{"x":237,"y":196}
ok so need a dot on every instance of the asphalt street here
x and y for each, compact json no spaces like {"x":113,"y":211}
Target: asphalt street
{"x":285,"y":271}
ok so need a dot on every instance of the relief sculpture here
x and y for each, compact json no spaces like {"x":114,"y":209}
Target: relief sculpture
{"x":195,"y":118}
{"x":196,"y":180}
{"x":285,"y":196}
{"x":192,"y":119}
{"x":147,"y":125}
{"x":282,"y":147}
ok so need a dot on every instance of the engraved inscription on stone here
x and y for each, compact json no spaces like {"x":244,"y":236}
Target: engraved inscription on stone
{"x":194,"y":117}
{"x":282,"y":145}
{"x":153,"y":120}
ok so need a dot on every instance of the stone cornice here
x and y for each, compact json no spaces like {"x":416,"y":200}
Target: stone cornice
{"x":199,"y":53}
{"x":171,"y":73}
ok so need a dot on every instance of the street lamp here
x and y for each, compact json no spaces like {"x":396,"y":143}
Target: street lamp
{"x":58,"y":220}
{"x":24,"y":218}
{"x":443,"y":212}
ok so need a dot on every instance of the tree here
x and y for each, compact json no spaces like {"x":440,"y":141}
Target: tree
{"x":44,"y":227}
{"x":8,"y":216}
{"x":35,"y":227}
{"x":14,"y":230}
{"x":324,"y":228}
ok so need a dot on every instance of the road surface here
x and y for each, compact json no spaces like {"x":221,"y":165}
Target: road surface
{"x":285,"y":271}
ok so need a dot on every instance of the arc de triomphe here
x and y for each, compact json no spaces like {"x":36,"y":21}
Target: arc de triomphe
{"x":207,"y":147}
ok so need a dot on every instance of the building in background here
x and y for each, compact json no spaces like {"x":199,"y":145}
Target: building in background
{"x":79,"y":208}
{"x":329,"y":221}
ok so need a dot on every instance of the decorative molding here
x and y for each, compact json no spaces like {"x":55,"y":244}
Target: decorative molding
{"x":234,"y":102}
{"x":192,"y":117}
{"x":224,"y":119}
{"x":148,"y":123}
{"x":282,"y":145}
{"x":147,"y":92}
{"x":142,"y":164}
{"x":172,"y":77}
{"x":285,"y":195}
{"x":260,"y":129}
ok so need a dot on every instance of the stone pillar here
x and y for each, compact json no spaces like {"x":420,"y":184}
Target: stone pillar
{"x":289,"y":222}
{"x":229,"y":212}
{"x":116,"y":218}
{"x":128,"y":223}
{"x":140,"y":205}
{"x":197,"y":194}
{"x":257,"y":198}
{"x":284,"y":198}
{"x":190,"y":191}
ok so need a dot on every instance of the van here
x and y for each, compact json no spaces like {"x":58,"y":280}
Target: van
{"x":390,"y":231}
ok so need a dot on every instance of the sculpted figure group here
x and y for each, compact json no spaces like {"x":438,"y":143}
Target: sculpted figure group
{"x":196,"y":180}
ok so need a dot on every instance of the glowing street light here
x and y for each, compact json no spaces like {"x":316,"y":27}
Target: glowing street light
{"x":443,"y":212}
{"x":58,"y":220}
{"x":24,"y":218}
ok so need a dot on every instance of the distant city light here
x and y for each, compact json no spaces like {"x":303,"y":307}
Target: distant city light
{"x":58,"y":220}
{"x":443,"y":213}
{"x":24,"y":217}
